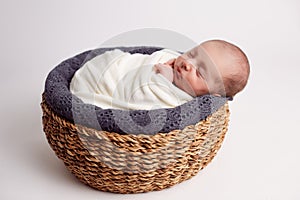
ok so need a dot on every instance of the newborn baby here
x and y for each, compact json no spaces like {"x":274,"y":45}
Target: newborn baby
{"x":214,"y":67}
{"x":164,"y":79}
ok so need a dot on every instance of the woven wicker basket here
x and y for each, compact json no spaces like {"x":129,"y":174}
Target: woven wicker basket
{"x":134,"y":163}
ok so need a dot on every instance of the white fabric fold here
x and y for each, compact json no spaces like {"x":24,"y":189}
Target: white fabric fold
{"x":127,"y":81}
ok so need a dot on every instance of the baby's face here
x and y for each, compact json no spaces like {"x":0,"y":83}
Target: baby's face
{"x":200,"y":70}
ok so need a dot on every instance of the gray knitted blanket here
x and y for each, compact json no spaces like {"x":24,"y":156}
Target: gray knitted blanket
{"x":59,"y":98}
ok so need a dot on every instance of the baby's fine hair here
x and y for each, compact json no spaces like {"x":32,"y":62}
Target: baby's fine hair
{"x":238,"y":78}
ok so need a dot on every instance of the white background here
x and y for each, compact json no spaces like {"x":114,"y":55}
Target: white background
{"x":259,"y":159}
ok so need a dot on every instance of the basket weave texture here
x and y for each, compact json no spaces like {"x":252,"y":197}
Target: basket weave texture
{"x":134,"y":163}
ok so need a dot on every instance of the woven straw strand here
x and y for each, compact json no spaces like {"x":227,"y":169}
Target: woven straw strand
{"x":134,"y":163}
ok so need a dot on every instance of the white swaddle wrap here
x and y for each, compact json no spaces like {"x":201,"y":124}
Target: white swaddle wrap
{"x":127,"y":81}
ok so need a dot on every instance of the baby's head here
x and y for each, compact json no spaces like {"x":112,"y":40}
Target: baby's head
{"x":213,"y":67}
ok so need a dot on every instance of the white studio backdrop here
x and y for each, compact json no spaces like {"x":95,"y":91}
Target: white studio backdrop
{"x":259,"y":158}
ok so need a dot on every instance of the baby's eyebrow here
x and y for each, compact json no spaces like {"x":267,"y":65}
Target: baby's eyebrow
{"x":191,"y":54}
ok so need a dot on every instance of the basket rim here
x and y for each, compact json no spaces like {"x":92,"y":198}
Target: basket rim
{"x":47,"y":110}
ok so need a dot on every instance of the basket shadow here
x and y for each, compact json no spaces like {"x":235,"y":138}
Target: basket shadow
{"x":36,"y":153}
{"x":51,"y":167}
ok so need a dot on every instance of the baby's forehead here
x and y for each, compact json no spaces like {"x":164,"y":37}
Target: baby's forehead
{"x":197,"y":56}
{"x":210,"y":60}
{"x":194,"y":51}
{"x":209,"y":54}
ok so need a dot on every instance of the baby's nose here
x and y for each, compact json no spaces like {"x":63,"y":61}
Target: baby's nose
{"x":178,"y":69}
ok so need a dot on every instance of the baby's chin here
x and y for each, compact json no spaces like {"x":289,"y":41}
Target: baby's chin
{"x":178,"y":83}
